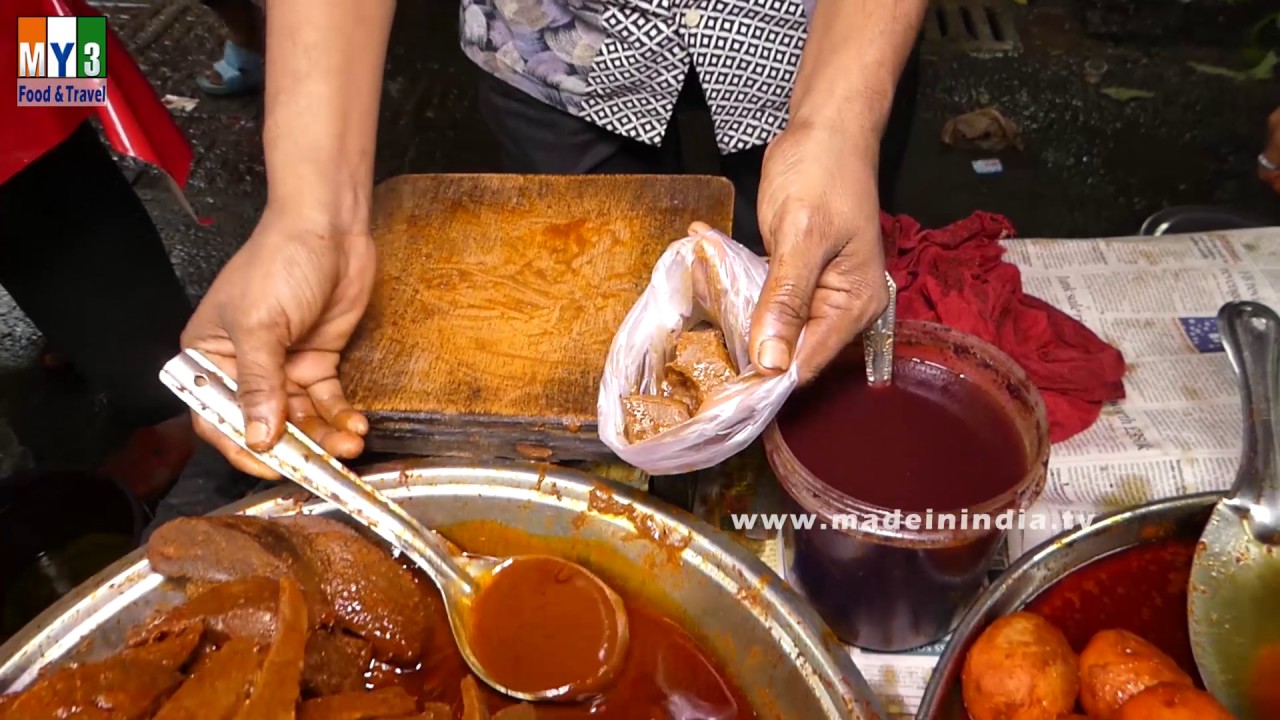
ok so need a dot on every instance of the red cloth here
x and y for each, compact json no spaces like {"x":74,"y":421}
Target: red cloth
{"x":134,"y":120}
{"x":956,"y":276}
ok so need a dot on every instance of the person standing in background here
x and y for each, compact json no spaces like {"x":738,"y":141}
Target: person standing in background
{"x":800,"y":95}
{"x":81,"y":256}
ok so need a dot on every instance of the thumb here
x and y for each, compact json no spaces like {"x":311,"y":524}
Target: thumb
{"x":260,"y":355}
{"x":783,"y":309}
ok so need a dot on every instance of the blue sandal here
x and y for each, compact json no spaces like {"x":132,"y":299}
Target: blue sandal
{"x":242,"y":72}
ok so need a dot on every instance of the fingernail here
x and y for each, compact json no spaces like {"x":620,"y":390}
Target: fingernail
{"x":256,"y":434}
{"x":774,"y":354}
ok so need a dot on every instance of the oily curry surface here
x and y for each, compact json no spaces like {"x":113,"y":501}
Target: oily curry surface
{"x":667,"y":675}
{"x":306,"y":617}
{"x":542,"y":624}
{"x":1109,"y":641}
{"x":1144,"y":590}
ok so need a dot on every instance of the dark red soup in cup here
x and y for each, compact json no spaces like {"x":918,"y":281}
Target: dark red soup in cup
{"x":913,"y":487}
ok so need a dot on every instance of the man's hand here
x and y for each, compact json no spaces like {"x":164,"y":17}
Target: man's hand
{"x":819,"y":213}
{"x":276,"y":319}
{"x":282,"y":310}
{"x":1272,"y":152}
{"x":819,"y":203}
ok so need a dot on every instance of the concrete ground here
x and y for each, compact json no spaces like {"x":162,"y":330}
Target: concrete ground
{"x":1091,"y":165}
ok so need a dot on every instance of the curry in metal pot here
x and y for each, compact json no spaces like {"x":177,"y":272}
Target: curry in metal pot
{"x":1107,"y":642}
{"x":306,"y":617}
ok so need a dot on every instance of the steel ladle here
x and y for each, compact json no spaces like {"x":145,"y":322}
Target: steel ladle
{"x":1234,"y":593}
{"x":460,"y":576}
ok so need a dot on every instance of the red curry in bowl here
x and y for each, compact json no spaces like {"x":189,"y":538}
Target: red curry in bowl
{"x":1142,"y":589}
{"x":1108,"y":642}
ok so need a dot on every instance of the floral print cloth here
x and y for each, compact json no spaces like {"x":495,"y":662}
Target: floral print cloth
{"x":621,"y":63}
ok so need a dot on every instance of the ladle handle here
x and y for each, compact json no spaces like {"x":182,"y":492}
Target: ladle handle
{"x":1251,"y":335}
{"x":212,"y":395}
{"x":877,"y":340}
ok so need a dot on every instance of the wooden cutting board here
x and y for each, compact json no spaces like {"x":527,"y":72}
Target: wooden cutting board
{"x":497,"y":299}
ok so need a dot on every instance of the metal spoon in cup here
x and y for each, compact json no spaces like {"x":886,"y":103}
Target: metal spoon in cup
{"x":877,"y":341}
{"x":509,"y":657}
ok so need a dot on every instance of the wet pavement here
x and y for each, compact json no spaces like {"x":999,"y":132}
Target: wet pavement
{"x":1092,"y":165}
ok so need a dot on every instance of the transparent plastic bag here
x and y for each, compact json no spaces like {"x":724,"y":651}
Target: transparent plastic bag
{"x":704,"y":277}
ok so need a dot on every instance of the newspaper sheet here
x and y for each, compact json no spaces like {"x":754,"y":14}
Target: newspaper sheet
{"x":1178,"y":430}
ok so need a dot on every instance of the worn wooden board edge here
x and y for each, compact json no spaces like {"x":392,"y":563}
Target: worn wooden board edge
{"x":388,"y":185}
{"x":483,"y":437}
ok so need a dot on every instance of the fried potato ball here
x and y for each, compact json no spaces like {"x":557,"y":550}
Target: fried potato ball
{"x":1172,"y":701}
{"x":1117,"y":665}
{"x":1264,"y":682}
{"x":1020,"y":668}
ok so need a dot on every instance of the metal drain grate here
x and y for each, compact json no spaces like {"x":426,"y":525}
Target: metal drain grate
{"x":974,"y":26}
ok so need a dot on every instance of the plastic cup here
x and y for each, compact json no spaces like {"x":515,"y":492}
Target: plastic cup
{"x":896,"y":586}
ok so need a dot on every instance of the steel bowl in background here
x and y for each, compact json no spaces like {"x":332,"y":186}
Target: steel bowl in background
{"x":1038,"y":571}
{"x":759,"y":630}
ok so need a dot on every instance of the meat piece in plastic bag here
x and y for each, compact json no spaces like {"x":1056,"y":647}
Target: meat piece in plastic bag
{"x":648,"y":415}
{"x":704,"y":277}
{"x":677,"y":387}
{"x":700,"y":367}
{"x":703,"y":360}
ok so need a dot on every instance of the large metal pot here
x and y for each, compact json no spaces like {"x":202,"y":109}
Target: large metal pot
{"x":1181,"y":518}
{"x":759,"y":630}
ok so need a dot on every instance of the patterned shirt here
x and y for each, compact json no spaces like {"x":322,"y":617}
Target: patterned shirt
{"x":620,"y":64}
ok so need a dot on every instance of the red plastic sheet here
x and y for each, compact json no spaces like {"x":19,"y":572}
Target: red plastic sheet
{"x":134,"y":120}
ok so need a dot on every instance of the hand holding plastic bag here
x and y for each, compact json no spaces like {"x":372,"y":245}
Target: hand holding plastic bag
{"x":706,"y":277}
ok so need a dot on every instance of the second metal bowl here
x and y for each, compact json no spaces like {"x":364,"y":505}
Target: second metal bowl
{"x":1180,"y":518}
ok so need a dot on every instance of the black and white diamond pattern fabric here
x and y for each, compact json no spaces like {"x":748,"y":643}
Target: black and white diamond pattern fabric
{"x":633,"y":85}
{"x":745,"y":51}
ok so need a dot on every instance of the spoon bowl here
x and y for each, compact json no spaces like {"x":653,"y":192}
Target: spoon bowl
{"x":463,"y":579}
{"x":1234,"y":592}
{"x":536,"y":598}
